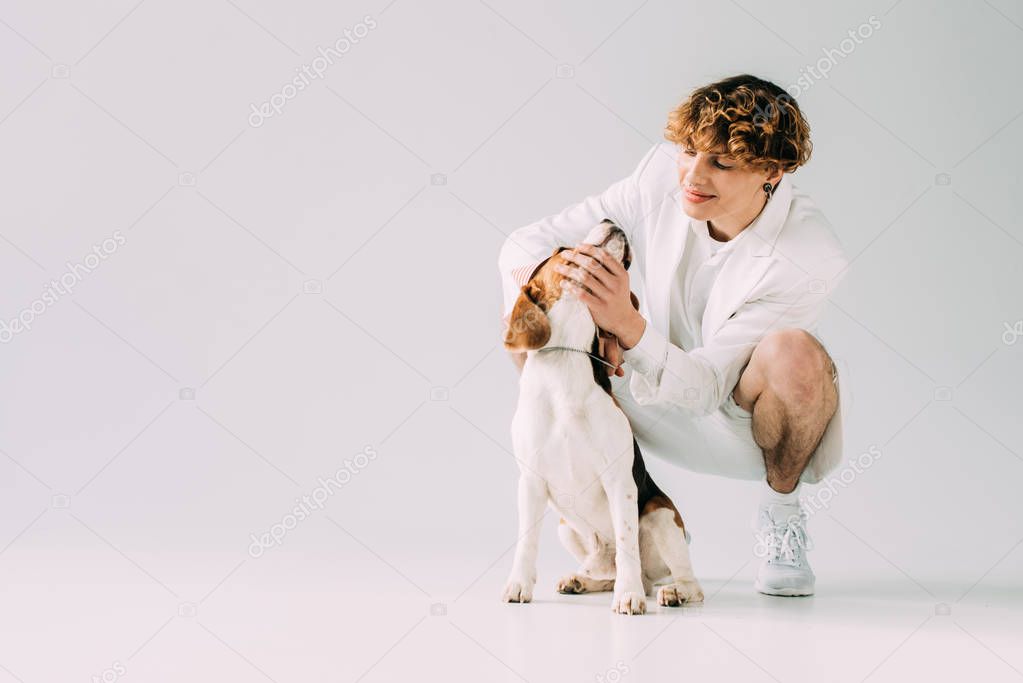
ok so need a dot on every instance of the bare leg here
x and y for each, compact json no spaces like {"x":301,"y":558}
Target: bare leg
{"x":789,"y":387}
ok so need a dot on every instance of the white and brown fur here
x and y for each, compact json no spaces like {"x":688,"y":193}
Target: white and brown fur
{"x":577,"y":453}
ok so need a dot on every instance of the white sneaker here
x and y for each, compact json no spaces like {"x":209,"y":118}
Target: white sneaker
{"x":782,"y":542}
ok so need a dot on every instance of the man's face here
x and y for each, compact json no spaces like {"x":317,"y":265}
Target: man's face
{"x":733,"y":188}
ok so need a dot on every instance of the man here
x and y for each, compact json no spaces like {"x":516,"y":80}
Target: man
{"x":728,"y":376}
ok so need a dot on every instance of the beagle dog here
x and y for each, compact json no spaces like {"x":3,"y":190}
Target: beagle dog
{"x":576,"y":452}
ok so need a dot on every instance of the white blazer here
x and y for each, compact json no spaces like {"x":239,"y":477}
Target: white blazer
{"x":778,"y":276}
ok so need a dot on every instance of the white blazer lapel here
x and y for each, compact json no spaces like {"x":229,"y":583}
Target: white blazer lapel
{"x":665,"y":253}
{"x":749,"y":262}
{"x":740,"y":274}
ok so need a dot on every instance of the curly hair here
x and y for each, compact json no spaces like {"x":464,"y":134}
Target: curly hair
{"x":757,"y":122}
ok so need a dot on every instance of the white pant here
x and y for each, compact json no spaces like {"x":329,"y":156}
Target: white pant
{"x":720,"y":443}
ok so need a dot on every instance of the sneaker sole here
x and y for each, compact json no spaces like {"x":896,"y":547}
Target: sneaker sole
{"x":784,"y":592}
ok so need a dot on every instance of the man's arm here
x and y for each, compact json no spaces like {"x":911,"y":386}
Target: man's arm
{"x":700,"y":380}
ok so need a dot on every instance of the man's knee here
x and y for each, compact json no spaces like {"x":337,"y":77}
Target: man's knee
{"x":794,"y":364}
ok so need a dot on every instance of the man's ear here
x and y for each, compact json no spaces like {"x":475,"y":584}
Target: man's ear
{"x":528,"y":326}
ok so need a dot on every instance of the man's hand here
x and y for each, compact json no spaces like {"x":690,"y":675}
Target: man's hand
{"x":602,"y":283}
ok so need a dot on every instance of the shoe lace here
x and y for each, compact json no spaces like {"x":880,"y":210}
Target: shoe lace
{"x":786,"y":541}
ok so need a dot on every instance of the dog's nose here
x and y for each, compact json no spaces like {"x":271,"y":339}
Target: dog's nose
{"x":612,"y":229}
{"x":612,"y":238}
{"x":616,"y":241}
{"x":602,"y":232}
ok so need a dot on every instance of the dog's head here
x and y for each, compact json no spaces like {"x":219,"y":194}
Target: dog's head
{"x":545,"y":312}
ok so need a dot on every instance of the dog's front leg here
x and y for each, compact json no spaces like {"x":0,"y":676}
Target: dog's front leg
{"x":629,"y":595}
{"x":532,"y":501}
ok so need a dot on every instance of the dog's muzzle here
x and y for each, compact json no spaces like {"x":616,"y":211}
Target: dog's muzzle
{"x":612,"y":238}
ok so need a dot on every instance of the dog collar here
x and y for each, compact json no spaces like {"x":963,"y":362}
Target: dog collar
{"x":568,"y":348}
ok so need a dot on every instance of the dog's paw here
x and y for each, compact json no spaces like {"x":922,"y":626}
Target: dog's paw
{"x":629,"y":602}
{"x":675,"y":594}
{"x":517,"y":591}
{"x":571,"y":584}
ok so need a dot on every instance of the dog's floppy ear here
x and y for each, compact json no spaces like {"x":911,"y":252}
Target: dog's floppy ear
{"x":528,"y":326}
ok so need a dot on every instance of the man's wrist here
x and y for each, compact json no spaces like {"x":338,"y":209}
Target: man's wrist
{"x":631,"y":333}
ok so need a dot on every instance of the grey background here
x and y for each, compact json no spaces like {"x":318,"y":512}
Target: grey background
{"x":327,"y":281}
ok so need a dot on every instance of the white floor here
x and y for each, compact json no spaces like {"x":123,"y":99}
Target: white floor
{"x":337,"y":611}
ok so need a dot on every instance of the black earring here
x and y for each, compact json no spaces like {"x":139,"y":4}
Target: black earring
{"x":768,"y":190}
